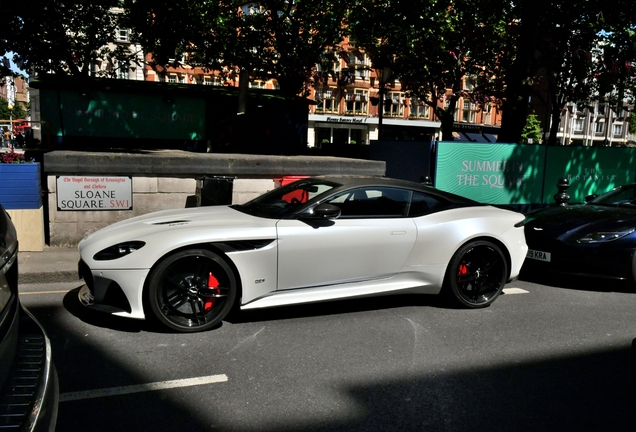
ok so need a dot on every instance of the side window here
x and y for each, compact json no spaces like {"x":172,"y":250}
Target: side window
{"x":372,"y":202}
{"x":422,"y":204}
{"x":303,"y":194}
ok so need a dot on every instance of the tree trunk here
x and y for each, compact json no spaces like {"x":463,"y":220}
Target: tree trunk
{"x":556,"y":108}
{"x":554,"y":127}
{"x":447,"y":118}
{"x":244,"y":79}
{"x":521,"y":73}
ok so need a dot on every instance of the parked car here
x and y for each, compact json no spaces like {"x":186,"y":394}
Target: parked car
{"x":313,"y":240}
{"x":28,"y":381}
{"x":596,"y":239}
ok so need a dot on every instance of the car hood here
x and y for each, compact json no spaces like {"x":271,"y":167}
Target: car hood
{"x":575,"y":221}
{"x":169,"y":229}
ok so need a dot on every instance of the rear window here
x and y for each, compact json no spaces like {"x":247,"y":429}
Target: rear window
{"x":423,"y":204}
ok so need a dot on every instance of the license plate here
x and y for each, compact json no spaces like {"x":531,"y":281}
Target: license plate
{"x":539,"y":255}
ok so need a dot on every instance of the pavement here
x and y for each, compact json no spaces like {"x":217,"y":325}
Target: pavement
{"x":53,"y":264}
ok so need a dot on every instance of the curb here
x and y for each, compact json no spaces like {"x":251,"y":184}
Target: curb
{"x":49,"y":277}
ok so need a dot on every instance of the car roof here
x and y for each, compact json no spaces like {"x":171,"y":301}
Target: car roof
{"x":361,"y":181}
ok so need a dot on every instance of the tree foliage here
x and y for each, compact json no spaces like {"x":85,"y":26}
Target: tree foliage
{"x":531,"y":132}
{"x":280,"y":39}
{"x":16,"y":113}
{"x":432,"y":45}
{"x":575,"y":51}
{"x":62,"y":37}
{"x":578,"y":50}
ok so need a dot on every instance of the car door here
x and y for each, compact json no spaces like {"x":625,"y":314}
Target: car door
{"x":371,"y":239}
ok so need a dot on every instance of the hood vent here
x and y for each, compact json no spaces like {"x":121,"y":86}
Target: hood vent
{"x":174,"y":222}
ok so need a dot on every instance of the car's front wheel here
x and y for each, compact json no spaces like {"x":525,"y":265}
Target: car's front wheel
{"x":476,"y":274}
{"x":191,"y":290}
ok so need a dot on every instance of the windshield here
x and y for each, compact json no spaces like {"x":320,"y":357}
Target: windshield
{"x":281,"y":201}
{"x":620,"y":197}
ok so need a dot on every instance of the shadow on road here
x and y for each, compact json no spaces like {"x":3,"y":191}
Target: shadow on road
{"x":579,"y":282}
{"x":590,"y":390}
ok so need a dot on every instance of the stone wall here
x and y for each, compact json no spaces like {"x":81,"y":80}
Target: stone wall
{"x":164,"y":180}
{"x":150,"y":194}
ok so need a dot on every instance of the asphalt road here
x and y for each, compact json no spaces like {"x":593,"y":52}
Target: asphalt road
{"x":547,"y":358}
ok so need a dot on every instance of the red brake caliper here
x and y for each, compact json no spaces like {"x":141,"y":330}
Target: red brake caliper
{"x":462,"y":270}
{"x":213,"y":285}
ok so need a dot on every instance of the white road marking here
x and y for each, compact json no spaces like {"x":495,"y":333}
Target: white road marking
{"x":162,"y":385}
{"x":515,"y":291}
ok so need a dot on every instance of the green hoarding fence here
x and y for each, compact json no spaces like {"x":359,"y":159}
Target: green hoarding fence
{"x":528,"y":174}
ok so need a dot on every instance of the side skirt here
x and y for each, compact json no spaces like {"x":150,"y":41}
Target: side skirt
{"x":405,"y":283}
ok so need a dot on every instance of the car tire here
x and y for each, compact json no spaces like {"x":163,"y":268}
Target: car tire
{"x":191,"y":290}
{"x":476,"y":274}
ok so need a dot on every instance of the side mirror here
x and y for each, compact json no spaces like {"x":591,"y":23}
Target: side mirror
{"x":327,"y":211}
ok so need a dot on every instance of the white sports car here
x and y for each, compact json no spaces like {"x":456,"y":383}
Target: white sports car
{"x":316,"y":239}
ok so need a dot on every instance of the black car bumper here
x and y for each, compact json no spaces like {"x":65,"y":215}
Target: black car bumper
{"x":601,"y":260}
{"x":29,"y":398}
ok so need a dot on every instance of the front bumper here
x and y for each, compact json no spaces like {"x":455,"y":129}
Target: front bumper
{"x":600,"y":261}
{"x":117,"y":292}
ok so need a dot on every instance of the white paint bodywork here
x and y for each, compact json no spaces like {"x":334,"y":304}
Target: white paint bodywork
{"x":303,"y":263}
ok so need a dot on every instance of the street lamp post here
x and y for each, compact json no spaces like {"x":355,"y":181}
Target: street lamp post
{"x":384,"y":74}
{"x":10,"y":108}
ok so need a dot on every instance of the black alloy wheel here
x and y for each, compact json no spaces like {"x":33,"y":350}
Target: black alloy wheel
{"x":191,"y":290}
{"x":476,"y":274}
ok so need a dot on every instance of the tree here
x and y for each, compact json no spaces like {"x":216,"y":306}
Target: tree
{"x":279,"y":39}
{"x":531,"y":132}
{"x":432,"y":46}
{"x":615,"y":72}
{"x":16,"y":113}
{"x":62,"y":37}
{"x":564,"y":47}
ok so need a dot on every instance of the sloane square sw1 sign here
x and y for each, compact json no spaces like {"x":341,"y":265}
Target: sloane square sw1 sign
{"x":93,"y":193}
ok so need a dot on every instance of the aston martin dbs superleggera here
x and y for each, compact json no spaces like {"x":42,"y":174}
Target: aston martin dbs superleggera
{"x":313,"y":240}
{"x":596,"y":239}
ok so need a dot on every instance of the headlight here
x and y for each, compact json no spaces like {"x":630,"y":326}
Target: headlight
{"x":118,"y":250}
{"x":603,"y":237}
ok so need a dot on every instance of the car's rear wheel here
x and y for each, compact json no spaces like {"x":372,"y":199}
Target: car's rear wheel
{"x":192,"y":290}
{"x":476,"y":274}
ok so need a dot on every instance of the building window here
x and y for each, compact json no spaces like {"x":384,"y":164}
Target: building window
{"x":172,"y":78}
{"x":252,"y":8}
{"x":357,"y":102}
{"x":618,"y":130}
{"x":212,"y":80}
{"x":578,"y":125}
{"x":257,"y":84}
{"x":601,"y":110}
{"x":359,"y":64}
{"x":394,"y":104}
{"x":122,"y":71}
{"x":329,"y":67}
{"x":468,"y":112}
{"x":599,"y":128}
{"x":122,"y":35}
{"x":469,"y":83}
{"x":620,"y":113}
{"x":419,"y":109}
{"x":486,"y":117}
{"x":327,"y":100}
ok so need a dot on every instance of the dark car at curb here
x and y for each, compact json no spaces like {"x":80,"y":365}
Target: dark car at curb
{"x":29,"y":390}
{"x":596,"y":239}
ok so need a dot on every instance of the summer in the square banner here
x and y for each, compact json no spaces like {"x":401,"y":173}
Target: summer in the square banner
{"x":493,"y":174}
